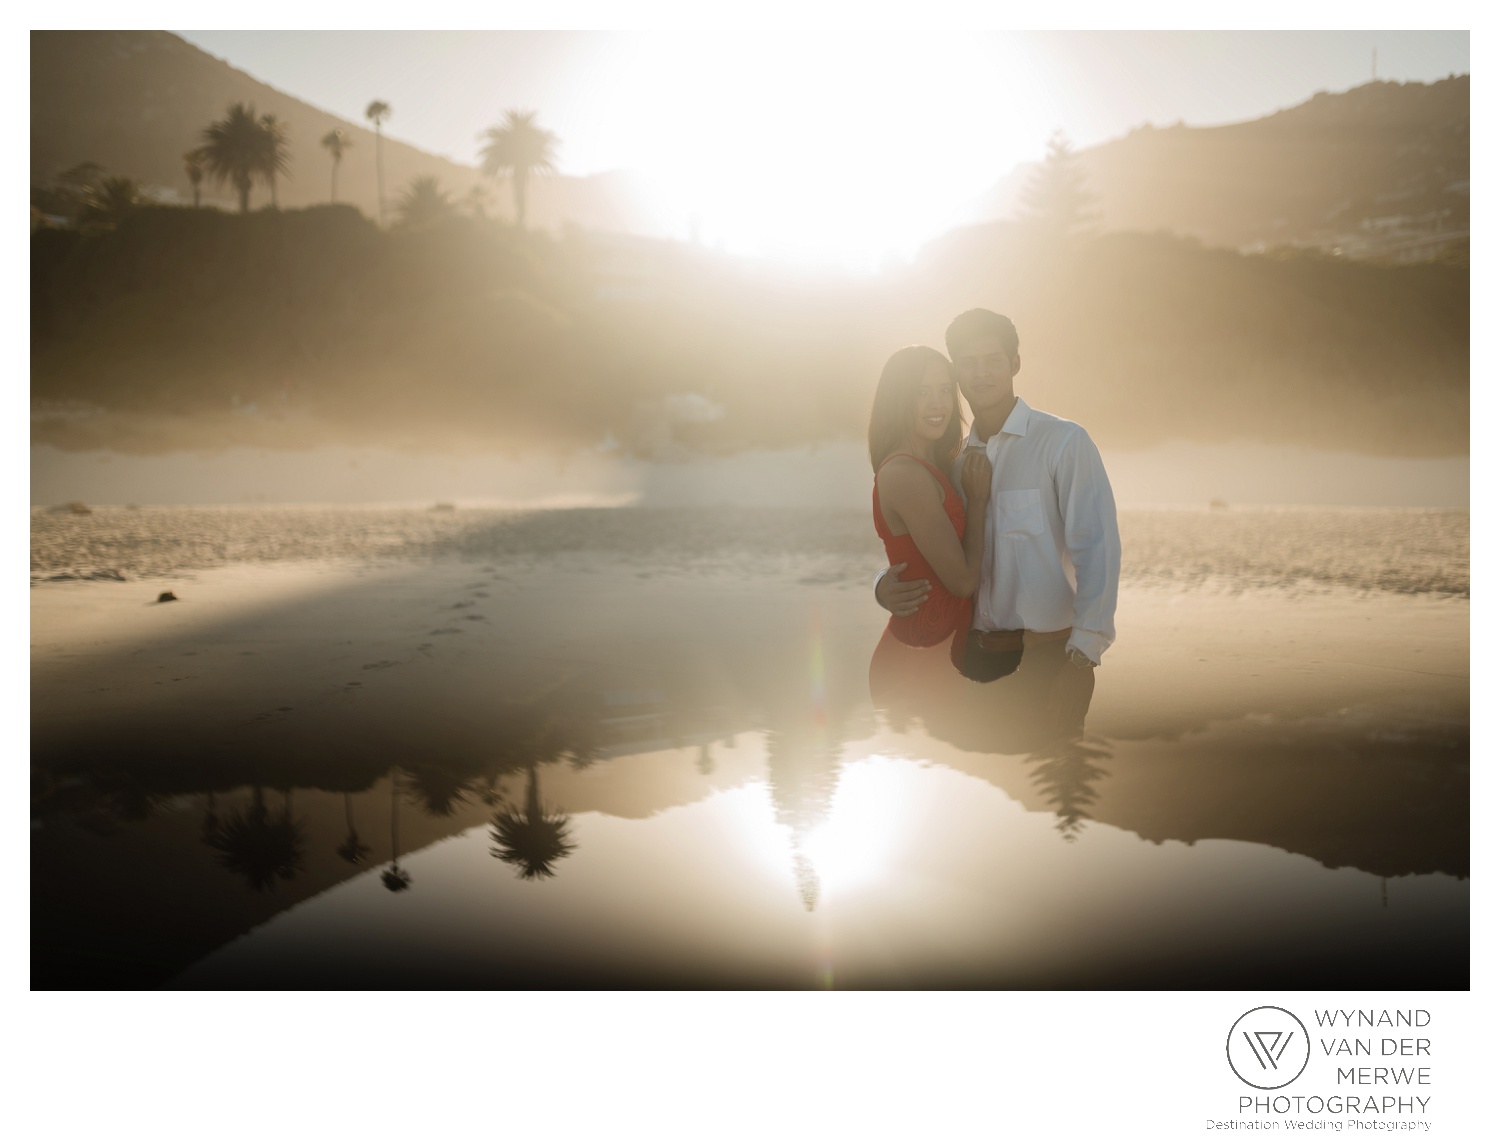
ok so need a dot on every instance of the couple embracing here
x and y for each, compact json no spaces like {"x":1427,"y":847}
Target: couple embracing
{"x":1018,"y":572}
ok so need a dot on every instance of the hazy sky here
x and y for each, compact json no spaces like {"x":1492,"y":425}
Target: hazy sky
{"x":818,"y":144}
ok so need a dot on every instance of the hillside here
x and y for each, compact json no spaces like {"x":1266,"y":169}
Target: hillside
{"x":297,"y":326}
{"x":135,"y":101}
{"x":1382,"y":169}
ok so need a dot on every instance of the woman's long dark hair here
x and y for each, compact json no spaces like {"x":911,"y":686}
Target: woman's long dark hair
{"x":895,"y":406}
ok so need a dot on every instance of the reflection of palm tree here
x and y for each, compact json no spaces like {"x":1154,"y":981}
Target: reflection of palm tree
{"x":1065,"y":773}
{"x":352,"y":849}
{"x":436,"y":789}
{"x":802,"y":770}
{"x":521,"y":147}
{"x":532,"y":841}
{"x":378,"y":112}
{"x":259,"y":846}
{"x":336,"y":142}
{"x":395,"y":877}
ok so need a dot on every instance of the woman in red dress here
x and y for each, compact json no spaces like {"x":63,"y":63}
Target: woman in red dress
{"x":915,"y":431}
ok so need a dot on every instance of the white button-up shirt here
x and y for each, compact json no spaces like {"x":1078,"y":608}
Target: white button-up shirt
{"x":1052,"y":551}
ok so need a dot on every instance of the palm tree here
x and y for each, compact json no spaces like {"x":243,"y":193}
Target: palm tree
{"x":532,"y":841}
{"x":192,"y":162}
{"x":239,"y":149}
{"x":111,"y":200}
{"x":423,"y":202}
{"x":278,"y":158}
{"x":519,"y":146}
{"x":477,"y":200}
{"x":336,"y":142}
{"x":378,"y":112}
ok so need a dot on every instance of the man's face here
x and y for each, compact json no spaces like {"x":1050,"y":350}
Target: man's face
{"x":985,"y":373}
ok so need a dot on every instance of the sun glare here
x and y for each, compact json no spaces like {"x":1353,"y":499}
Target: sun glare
{"x":821,"y":150}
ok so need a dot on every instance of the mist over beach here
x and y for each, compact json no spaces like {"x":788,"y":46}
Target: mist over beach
{"x":455,"y":570}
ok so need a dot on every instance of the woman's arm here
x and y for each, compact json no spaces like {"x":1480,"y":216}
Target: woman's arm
{"x":913,"y":500}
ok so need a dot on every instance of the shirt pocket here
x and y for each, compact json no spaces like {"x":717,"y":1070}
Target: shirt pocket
{"x":1018,"y":514}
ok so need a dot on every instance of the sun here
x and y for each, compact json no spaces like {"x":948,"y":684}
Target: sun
{"x":826,"y":150}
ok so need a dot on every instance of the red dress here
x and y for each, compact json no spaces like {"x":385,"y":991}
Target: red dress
{"x":941,"y":615}
{"x":914,"y":670}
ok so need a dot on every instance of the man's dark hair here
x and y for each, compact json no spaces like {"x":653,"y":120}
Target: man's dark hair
{"x":981,"y":323}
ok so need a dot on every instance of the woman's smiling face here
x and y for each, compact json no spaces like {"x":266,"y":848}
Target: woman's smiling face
{"x":935,"y":405}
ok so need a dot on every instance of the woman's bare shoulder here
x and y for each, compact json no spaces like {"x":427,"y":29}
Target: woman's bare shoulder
{"x":903,"y":477}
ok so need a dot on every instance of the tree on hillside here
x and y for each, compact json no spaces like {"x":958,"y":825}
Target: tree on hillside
{"x":422,"y":202}
{"x":477,"y":200}
{"x":519,"y":146}
{"x":336,"y":143}
{"x":1056,"y":201}
{"x":240,"y":149}
{"x":111,"y":200}
{"x":192,"y":162}
{"x":378,"y":112}
{"x":278,"y":155}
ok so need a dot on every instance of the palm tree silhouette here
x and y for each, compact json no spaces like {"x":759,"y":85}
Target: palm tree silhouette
{"x":477,"y":200}
{"x":111,"y":200}
{"x":278,"y":158}
{"x":519,"y":146}
{"x":259,"y":846}
{"x":352,"y":849}
{"x":532,"y":841}
{"x":422,"y":203}
{"x":336,"y":143}
{"x":378,"y":112}
{"x":239,"y":149}
{"x":192,"y":162}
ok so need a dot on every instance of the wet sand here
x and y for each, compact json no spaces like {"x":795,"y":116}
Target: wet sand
{"x":1326,"y":722}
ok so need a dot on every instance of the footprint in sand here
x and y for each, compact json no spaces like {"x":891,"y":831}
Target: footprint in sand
{"x":446,"y":630}
{"x":460,"y":605}
{"x":382,"y":665}
{"x":475,"y":618}
{"x":481,"y":594}
{"x":273,"y":712}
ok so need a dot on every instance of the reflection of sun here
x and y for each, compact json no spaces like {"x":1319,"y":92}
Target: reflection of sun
{"x":853,"y":846}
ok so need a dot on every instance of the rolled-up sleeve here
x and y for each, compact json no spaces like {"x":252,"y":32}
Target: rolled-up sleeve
{"x":1091,"y":532}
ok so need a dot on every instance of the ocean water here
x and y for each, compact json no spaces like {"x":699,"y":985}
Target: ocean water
{"x":1405,"y":550}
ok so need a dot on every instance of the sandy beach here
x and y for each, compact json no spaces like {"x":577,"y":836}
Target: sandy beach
{"x":575,"y":666}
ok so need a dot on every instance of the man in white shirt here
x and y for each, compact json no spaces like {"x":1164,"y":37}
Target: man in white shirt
{"x":1051,"y":570}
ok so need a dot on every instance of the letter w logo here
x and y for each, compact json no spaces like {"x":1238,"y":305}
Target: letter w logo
{"x":1268,"y":1046}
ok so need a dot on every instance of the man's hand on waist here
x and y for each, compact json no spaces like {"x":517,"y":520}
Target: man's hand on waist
{"x":902,"y":599}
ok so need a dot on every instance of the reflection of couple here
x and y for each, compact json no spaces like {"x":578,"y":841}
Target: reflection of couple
{"x":1024,"y":566}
